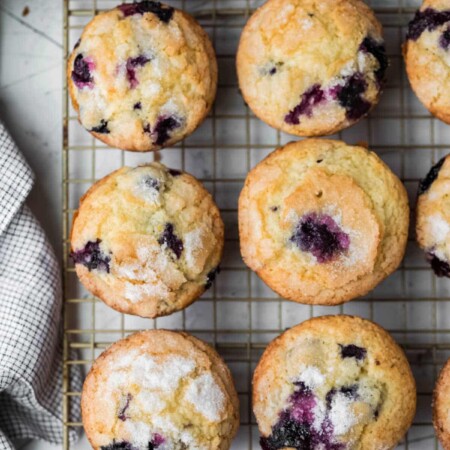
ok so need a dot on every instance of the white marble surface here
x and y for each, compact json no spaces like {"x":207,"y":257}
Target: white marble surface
{"x":31,"y":105}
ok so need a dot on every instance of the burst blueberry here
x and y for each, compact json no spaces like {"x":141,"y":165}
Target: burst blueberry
{"x":92,"y":257}
{"x":172,"y":241}
{"x":137,"y":105}
{"x":132,"y":65}
{"x":353,"y":351}
{"x":164,"y":125}
{"x":426,"y":20}
{"x":378,"y":50}
{"x":163,"y":12}
{"x":152,"y":183}
{"x":440,"y":268}
{"x":287,"y":433}
{"x":174,"y":172}
{"x":321,"y":236}
{"x":425,"y":184}
{"x":350,"y":96}
{"x":102,"y":128}
{"x":81,"y":73}
{"x":311,"y":98}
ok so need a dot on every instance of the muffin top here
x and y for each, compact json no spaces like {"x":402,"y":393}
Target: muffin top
{"x":322,"y":222}
{"x":143,"y":76}
{"x":433,"y":217}
{"x":160,"y":390}
{"x":427,"y":56}
{"x":335,"y":383}
{"x":147,"y":240}
{"x":311,"y":67}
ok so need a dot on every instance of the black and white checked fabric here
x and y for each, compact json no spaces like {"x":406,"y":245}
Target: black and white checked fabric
{"x":30,"y":314}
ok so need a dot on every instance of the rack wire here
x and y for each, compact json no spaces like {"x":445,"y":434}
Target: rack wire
{"x":239,"y":315}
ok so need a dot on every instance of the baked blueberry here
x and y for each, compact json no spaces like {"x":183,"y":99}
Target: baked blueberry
{"x":172,"y":241}
{"x":175,"y":172}
{"x":102,"y":128}
{"x":211,"y":277}
{"x":81,"y":73}
{"x":428,"y":19}
{"x":350,"y":96}
{"x":137,"y":105}
{"x":321,"y":236}
{"x":152,"y":183}
{"x":163,"y":12}
{"x":92,"y":257}
{"x":124,"y":445}
{"x":164,"y":126}
{"x":440,"y":268}
{"x":353,"y":351}
{"x":426,"y":183}
{"x":378,"y":50}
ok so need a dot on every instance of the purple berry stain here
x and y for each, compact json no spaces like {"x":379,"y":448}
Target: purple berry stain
{"x":82,"y":72}
{"x":102,"y":128}
{"x":156,"y":441}
{"x":309,"y":99}
{"x":378,"y":50}
{"x":122,"y":412}
{"x":211,"y":277}
{"x":353,"y":351}
{"x":92,"y":257}
{"x":440,"y":268}
{"x":321,"y":236}
{"x":171,"y":240}
{"x":295,"y":429}
{"x":132,"y":65}
{"x":427,"y":20}
{"x":426,"y":183}
{"x":163,"y":12}
{"x":350,"y":97}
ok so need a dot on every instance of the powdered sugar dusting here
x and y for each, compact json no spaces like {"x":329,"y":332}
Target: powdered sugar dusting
{"x":341,"y":414}
{"x":193,"y":245}
{"x":312,"y":377}
{"x":439,"y":227}
{"x":137,"y":292}
{"x":206,"y":396}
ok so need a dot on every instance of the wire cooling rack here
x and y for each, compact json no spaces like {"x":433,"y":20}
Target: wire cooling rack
{"x":239,"y":315}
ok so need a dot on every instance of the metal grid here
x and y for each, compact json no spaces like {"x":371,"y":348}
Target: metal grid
{"x":239,"y":315}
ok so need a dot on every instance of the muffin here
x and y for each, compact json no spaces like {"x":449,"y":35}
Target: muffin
{"x":427,"y":56}
{"x":147,"y":240}
{"x":322,"y":222}
{"x":160,"y":390}
{"x":441,"y":406}
{"x":333,"y":382}
{"x":143,"y":76}
{"x":312,"y":67}
{"x":433,"y":217}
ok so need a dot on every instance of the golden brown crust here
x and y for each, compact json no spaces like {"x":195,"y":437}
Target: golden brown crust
{"x":315,"y":343}
{"x":99,"y":411}
{"x":188,"y":87}
{"x":370,"y":203}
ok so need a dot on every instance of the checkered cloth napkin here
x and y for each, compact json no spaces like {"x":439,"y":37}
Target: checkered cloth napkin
{"x":30,"y":314}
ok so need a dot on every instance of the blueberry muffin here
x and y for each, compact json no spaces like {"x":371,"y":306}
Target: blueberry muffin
{"x":441,"y":406}
{"x":322,"y":222}
{"x":433,"y":217}
{"x":160,"y":390}
{"x":335,"y":383}
{"x":312,"y":67}
{"x":143,"y":76}
{"x":427,"y":56}
{"x":148,"y":240}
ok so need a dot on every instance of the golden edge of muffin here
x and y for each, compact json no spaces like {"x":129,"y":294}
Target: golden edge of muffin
{"x":389,"y":352}
{"x":441,"y":400}
{"x":355,"y":289}
{"x":297,"y":130}
{"x":147,"y":308}
{"x":123,"y":143}
{"x":217,"y":366}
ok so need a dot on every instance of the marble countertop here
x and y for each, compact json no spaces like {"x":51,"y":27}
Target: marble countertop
{"x":31,"y":107}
